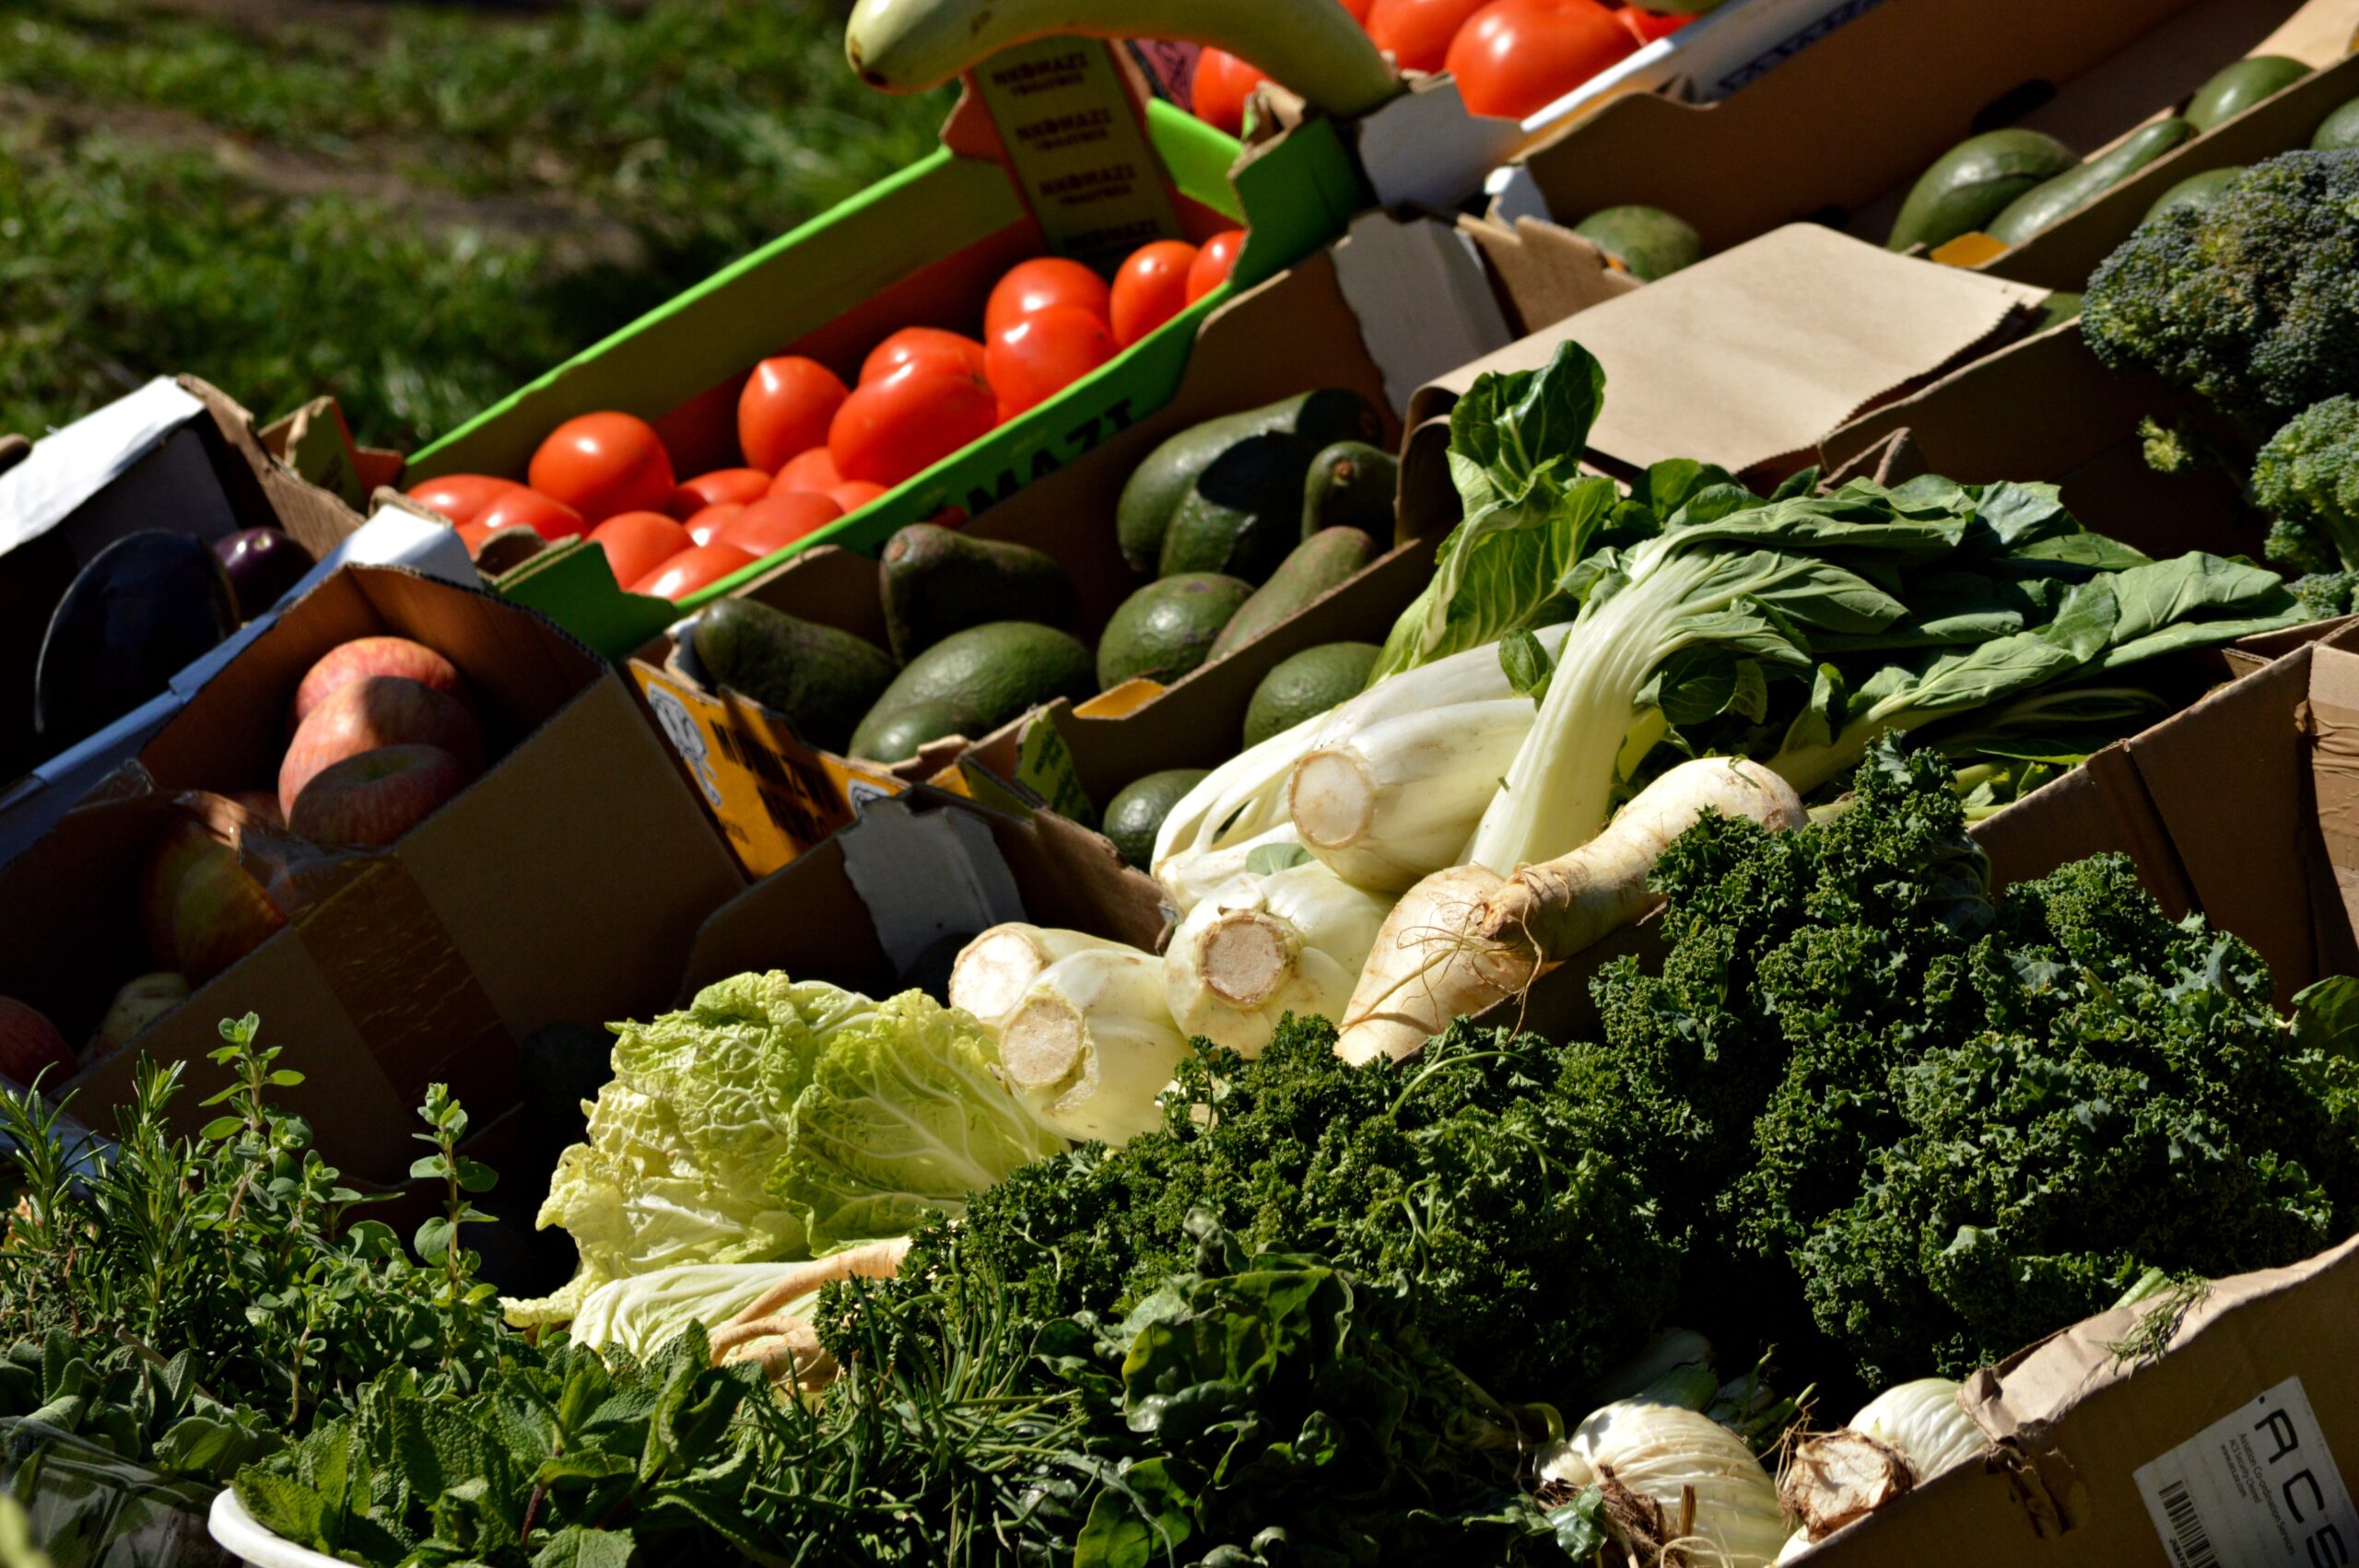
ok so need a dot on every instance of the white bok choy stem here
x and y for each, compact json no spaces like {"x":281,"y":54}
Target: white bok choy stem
{"x":993,"y":971}
{"x":1398,"y":800}
{"x":1187,"y":878}
{"x":1467,"y":937}
{"x":1261,"y":947}
{"x":1091,"y":1044}
{"x":1652,"y":1459}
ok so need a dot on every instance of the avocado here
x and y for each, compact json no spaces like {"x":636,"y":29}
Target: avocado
{"x":1351,"y":485}
{"x":1649,"y":242}
{"x":1311,"y":683}
{"x":1318,"y":563}
{"x":2196,"y":191}
{"x":1135,"y":816}
{"x":1243,"y":513}
{"x":2339,"y":130}
{"x":936,"y":580}
{"x":2236,"y":88}
{"x":1157,"y":486}
{"x":2061,"y":306}
{"x":2050,"y":200}
{"x":978,"y":679}
{"x":1167,"y":627}
{"x":1972,"y":183}
{"x":820,"y":678}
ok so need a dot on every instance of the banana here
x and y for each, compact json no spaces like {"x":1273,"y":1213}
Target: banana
{"x":1312,"y":47}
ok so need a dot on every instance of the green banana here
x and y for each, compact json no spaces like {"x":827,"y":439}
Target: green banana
{"x":1312,"y":47}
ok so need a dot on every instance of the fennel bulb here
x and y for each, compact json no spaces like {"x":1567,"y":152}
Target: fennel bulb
{"x":993,"y":971}
{"x":1187,"y":877}
{"x":1261,"y":947}
{"x":1923,"y":1421}
{"x":1662,"y":1452}
{"x":1092,"y":1045}
{"x":1398,"y":800}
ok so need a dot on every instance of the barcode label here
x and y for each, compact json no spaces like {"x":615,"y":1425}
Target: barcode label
{"x":2257,"y":1487}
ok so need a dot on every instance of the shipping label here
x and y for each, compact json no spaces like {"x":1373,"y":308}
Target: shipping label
{"x":2255,"y":1489}
{"x":1078,"y":149}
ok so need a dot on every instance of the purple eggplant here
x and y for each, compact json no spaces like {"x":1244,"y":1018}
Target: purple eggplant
{"x":144,"y":607}
{"x":263,"y":564}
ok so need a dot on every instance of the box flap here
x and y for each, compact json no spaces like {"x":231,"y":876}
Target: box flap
{"x":68,"y":466}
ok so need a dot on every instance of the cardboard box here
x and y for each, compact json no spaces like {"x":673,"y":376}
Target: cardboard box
{"x":563,"y":884}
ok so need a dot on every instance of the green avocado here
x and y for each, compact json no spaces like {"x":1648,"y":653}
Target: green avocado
{"x":2238,"y":87}
{"x":2047,"y":202}
{"x":1328,"y":558}
{"x":1649,"y":242}
{"x":1311,"y":683}
{"x":978,"y":679}
{"x":820,"y":678}
{"x":1315,"y":419}
{"x":1135,"y":816}
{"x":1351,"y":485}
{"x":1972,"y":183}
{"x":2196,"y":191}
{"x":905,"y":731}
{"x":1243,"y":513}
{"x":1167,"y":627}
{"x":2339,"y":130}
{"x":937,"y":580}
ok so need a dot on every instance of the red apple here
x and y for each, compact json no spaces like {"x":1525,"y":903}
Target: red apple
{"x":376,"y":797}
{"x":200,"y":910}
{"x":375,"y":711}
{"x":29,"y":1042}
{"x":263,"y":803}
{"x":374,"y":656}
{"x":138,"y":1004}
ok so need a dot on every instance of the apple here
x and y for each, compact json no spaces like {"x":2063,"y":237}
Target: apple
{"x":263,"y":803}
{"x":200,"y":911}
{"x":374,"y":656}
{"x":138,"y":1004}
{"x":29,"y":1042}
{"x":376,"y":797}
{"x":375,"y":711}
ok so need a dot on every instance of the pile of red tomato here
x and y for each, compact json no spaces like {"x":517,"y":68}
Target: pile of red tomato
{"x":1512,"y":58}
{"x":815,"y":450}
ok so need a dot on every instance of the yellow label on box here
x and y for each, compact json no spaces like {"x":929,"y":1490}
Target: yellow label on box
{"x":1078,"y":148}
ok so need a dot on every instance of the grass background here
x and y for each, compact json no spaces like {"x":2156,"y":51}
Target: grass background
{"x":414,"y":209}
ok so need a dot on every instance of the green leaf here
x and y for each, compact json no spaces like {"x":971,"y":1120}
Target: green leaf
{"x":1267,"y":860}
{"x":429,"y":1167}
{"x":433,"y":1238}
{"x":220,"y":1127}
{"x":1525,"y":664}
{"x":286,"y":1508}
{"x":577,"y":1546}
{"x":475,"y":1175}
{"x":1139,"y":1520}
{"x":284,"y":1079}
{"x":2326,"y":1016}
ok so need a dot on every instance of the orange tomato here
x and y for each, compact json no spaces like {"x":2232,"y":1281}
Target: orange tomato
{"x":1037,"y":285}
{"x":706,"y":526}
{"x":1648,"y":26}
{"x":812,"y":473}
{"x":1219,"y":89}
{"x":772,"y":523}
{"x":1151,"y":288}
{"x":461,"y":496}
{"x":854,"y":494}
{"x":712,"y":489}
{"x":520,"y":507}
{"x":602,"y":463}
{"x":1418,"y":32}
{"x":1215,"y":260}
{"x":785,"y":408}
{"x":952,"y":351}
{"x":636,"y":542}
{"x":1516,"y":57}
{"x":904,"y":424}
{"x":699,"y":566}
{"x":1045,"y":352}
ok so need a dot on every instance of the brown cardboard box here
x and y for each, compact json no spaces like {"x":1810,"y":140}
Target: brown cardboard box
{"x":563,"y":885}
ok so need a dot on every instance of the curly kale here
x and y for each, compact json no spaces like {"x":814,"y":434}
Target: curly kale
{"x":2306,"y":479}
{"x":2252,"y":300}
{"x":1490,"y":1173}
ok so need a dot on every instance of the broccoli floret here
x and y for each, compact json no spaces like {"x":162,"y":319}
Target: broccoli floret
{"x":2306,"y":479}
{"x":2325,"y":595}
{"x":2252,"y":300}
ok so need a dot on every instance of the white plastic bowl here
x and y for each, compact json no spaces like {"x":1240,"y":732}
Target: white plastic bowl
{"x":238,"y":1535}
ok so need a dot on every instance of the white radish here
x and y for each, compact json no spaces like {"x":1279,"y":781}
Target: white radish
{"x":993,"y":971}
{"x":1092,"y":1045}
{"x":1261,"y":947}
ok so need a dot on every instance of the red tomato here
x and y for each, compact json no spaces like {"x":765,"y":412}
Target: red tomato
{"x":812,"y":473}
{"x":1648,"y":26}
{"x":772,"y":525}
{"x":952,"y":351}
{"x":520,"y":507}
{"x":1418,"y":32}
{"x":1358,"y":8}
{"x":1151,"y":288}
{"x":602,"y":463}
{"x":854,"y":494}
{"x":1214,"y":262}
{"x":1045,"y":353}
{"x":699,"y":566}
{"x":459,"y":496}
{"x":712,"y":489}
{"x":636,"y":542}
{"x":1516,"y":57}
{"x":1037,"y":285}
{"x":785,"y":409}
{"x":706,"y":526}
{"x":894,"y":428}
{"x":701,"y":434}
{"x":1218,"y":92}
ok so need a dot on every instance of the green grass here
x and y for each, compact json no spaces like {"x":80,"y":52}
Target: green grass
{"x":414,"y":209}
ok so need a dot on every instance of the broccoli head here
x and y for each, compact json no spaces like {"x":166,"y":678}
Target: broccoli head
{"x":2325,"y":595}
{"x":2252,"y":300}
{"x":2306,"y":479}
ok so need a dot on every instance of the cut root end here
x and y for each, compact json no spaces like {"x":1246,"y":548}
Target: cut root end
{"x":1331,"y":799}
{"x":1043,"y":1044}
{"x":993,"y":972}
{"x":1245,"y":957}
